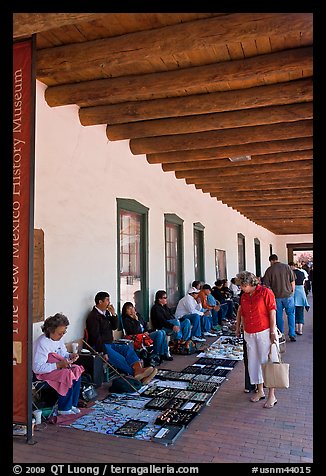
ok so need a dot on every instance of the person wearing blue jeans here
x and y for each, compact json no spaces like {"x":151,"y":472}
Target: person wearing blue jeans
{"x":162,"y":317}
{"x":53,"y":364}
{"x":185,"y":329}
{"x":133,"y":324}
{"x":122,"y":357}
{"x":189,"y":308}
{"x":288,"y":305}
{"x":100,"y":324}
{"x":70,"y":400}
{"x":280,"y":278}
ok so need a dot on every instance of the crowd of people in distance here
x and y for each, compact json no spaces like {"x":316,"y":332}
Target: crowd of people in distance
{"x":255,"y":308}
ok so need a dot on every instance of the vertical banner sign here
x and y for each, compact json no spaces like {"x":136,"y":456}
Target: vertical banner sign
{"x":22,"y":128}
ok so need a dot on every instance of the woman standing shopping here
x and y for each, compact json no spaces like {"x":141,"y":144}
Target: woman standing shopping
{"x":258,"y":312}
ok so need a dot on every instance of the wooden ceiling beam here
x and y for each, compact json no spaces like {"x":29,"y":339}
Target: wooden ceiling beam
{"x":305,"y":199}
{"x":291,"y":92}
{"x":226,"y":137}
{"x":245,"y":186}
{"x":256,"y":184}
{"x":252,"y":148}
{"x":226,"y":163}
{"x":26,"y":24}
{"x":237,"y":172}
{"x":276,"y":215}
{"x":254,"y":195}
{"x":124,"y":50}
{"x":305,"y":196}
{"x":268,"y":203}
{"x":273,"y":208}
{"x":249,"y":72}
{"x":210,"y":122}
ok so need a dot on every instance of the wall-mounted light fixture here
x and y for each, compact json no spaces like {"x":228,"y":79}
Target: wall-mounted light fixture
{"x":240,"y":158}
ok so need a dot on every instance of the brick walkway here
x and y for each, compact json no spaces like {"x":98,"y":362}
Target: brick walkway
{"x":230,"y":430}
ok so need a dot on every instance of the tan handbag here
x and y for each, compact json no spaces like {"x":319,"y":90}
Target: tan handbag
{"x":275,"y":374}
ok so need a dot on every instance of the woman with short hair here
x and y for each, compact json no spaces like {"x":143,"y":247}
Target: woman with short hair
{"x":257,"y":311}
{"x":54,"y":364}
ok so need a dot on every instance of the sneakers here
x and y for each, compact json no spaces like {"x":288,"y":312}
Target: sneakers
{"x":210,"y":334}
{"x":292,"y":339}
{"x":66,"y":412}
{"x":75,"y":409}
{"x":198,"y":339}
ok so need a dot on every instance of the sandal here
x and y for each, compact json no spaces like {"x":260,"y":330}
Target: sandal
{"x":256,"y":398}
{"x":270,"y":405}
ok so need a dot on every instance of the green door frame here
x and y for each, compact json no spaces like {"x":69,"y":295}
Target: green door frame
{"x":130,"y":205}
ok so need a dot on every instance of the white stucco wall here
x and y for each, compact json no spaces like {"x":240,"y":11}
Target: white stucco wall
{"x":79,"y":175}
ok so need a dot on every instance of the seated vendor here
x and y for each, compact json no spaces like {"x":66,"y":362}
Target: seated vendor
{"x":101,"y":321}
{"x":54,"y":364}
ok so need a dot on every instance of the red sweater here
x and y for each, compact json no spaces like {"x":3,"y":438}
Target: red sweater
{"x":255,"y":309}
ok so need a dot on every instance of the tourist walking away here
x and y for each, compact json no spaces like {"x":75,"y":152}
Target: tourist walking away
{"x":300,"y":298}
{"x":258,"y":315}
{"x":280,"y":278}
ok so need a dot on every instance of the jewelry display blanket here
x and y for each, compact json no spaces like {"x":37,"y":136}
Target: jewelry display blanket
{"x":172,"y":399}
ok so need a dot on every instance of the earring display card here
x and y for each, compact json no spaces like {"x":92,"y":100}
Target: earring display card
{"x":172,"y":375}
{"x":157,"y":403}
{"x":221,"y":372}
{"x":220,"y":362}
{"x":208,"y":370}
{"x":201,"y":387}
{"x":192,"y":369}
{"x":216,"y":380}
{"x":130,"y":428}
{"x":186,"y":405}
{"x":161,"y":373}
{"x":185,"y":394}
{"x":175,"y":417}
{"x":168,"y":434}
{"x":186,"y":377}
{"x":201,"y":378}
{"x":201,"y":396}
{"x":160,"y":392}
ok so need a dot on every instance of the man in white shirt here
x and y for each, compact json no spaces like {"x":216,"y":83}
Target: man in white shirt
{"x":189,"y":308}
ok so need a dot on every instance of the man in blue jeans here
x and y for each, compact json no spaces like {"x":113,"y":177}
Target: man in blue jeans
{"x":100,"y":324}
{"x":280,"y":278}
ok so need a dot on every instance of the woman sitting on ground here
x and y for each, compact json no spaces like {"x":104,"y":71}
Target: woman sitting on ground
{"x":53,"y":364}
{"x":133,"y":324}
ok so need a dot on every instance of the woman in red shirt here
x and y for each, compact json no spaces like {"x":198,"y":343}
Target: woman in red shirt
{"x":257,"y":312}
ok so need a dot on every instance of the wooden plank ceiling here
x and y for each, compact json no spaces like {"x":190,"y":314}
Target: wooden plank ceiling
{"x":191,"y":91}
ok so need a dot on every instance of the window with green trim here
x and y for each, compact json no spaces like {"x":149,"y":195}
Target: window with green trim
{"x":241,"y":253}
{"x":173,"y":258}
{"x":199,"y":261}
{"x":257,"y":257}
{"x":220,"y":264}
{"x":132,"y":255}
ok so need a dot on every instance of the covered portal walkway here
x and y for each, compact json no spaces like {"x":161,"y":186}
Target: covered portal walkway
{"x":230,"y":430}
